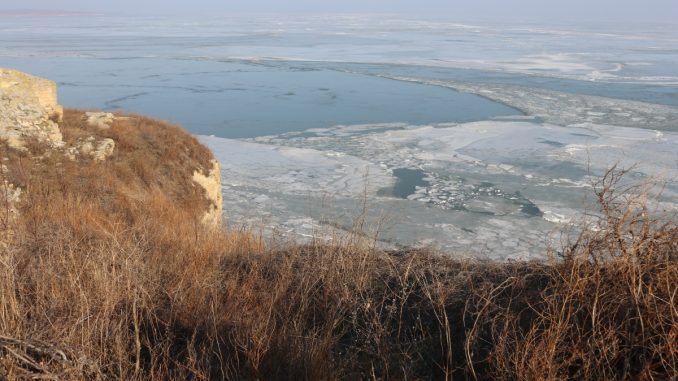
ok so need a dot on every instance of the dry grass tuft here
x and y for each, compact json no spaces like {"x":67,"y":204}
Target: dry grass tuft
{"x":107,"y":274}
{"x":609,"y":310}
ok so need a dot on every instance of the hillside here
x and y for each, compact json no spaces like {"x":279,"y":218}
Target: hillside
{"x":114,"y":265}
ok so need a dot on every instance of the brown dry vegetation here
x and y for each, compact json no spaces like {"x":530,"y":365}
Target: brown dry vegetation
{"x":106,"y":273}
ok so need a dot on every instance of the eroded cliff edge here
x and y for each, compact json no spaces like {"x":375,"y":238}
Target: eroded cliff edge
{"x":145,"y":156}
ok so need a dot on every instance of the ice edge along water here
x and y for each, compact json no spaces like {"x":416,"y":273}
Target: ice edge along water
{"x":498,"y":183}
{"x":507,"y":187}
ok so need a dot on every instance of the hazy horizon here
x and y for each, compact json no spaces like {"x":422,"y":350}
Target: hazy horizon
{"x":603,"y":11}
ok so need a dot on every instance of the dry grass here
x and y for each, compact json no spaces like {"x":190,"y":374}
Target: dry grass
{"x":107,"y":274}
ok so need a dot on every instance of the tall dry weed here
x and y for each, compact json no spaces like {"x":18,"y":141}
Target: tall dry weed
{"x":108,"y":274}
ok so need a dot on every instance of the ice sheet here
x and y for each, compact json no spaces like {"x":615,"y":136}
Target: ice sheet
{"x":563,"y":108}
{"x":494,"y":188}
{"x":503,"y":188}
{"x":294,"y":170}
{"x":636,"y":53}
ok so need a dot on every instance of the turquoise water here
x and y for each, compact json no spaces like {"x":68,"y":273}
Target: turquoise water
{"x":241,"y":99}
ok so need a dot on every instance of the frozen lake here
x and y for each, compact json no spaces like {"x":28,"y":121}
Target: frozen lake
{"x":236,"y":99}
{"x":478,"y":139}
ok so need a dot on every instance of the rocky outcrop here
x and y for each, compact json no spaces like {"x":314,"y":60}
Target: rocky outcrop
{"x":97,"y":149}
{"x":45,"y":91}
{"x":28,"y":109}
{"x":10,"y":196}
{"x":103,"y":149}
{"x":211,"y":183}
{"x":100,"y":120}
{"x":29,"y":112}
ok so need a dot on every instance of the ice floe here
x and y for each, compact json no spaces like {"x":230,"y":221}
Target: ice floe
{"x":503,"y":189}
{"x":563,"y":108}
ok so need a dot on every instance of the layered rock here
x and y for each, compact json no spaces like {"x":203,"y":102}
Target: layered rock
{"x":28,"y":109}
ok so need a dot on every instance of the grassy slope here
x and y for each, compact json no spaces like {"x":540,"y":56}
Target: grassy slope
{"x":107,"y":274}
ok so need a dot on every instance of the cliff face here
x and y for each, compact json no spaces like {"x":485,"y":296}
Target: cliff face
{"x":159,"y":156}
{"x":211,"y":182}
{"x":45,"y":91}
{"x":28,"y":109}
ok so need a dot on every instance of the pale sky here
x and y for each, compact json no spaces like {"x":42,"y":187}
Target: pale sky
{"x":497,"y":10}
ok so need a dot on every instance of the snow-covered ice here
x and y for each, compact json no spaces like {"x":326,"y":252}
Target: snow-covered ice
{"x":295,"y":170}
{"x":497,"y":188}
{"x":641,"y":53}
{"x":555,"y":106}
{"x":564,"y":109}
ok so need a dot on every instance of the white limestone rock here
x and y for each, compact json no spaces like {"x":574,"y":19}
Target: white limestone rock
{"x":28,"y":109}
{"x":101,"y":120}
{"x":211,"y":183}
{"x":98,"y":150}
